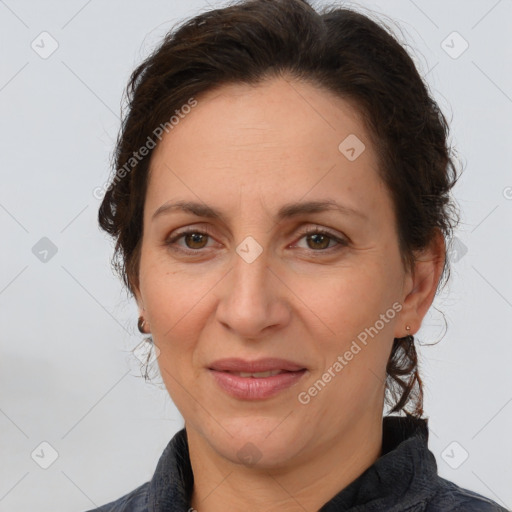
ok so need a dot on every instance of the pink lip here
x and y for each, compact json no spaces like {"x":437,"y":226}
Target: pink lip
{"x":254,"y":388}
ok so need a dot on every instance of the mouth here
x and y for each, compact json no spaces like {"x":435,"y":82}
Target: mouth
{"x":258,"y":375}
{"x":237,"y":365}
{"x":256,"y":380}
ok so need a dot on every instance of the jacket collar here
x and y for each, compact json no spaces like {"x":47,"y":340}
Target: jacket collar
{"x":404,"y":473}
{"x":403,"y":476}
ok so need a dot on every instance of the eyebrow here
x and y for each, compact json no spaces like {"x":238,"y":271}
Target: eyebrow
{"x":286,"y":211}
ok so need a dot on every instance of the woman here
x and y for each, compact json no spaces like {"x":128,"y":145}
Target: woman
{"x":281,"y":208}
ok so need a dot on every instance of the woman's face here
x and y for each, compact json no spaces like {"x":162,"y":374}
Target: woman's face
{"x":250,"y":284}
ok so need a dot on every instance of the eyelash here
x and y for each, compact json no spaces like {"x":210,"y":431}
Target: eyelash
{"x":170,"y":242}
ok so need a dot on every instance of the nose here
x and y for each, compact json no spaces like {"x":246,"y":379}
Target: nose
{"x":253,"y":300}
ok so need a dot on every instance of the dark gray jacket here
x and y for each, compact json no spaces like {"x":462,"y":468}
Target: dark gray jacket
{"x":403,"y":479}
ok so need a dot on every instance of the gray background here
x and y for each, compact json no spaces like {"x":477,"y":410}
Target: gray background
{"x":67,"y":376}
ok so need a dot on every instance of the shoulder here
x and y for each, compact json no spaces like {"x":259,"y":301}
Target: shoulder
{"x":134,"y":501}
{"x":449,"y":496}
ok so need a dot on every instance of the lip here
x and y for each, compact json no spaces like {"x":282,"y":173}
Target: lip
{"x":255,"y":388}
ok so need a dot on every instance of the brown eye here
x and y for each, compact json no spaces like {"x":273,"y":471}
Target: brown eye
{"x":319,"y":241}
{"x":195,"y":240}
{"x":191,"y":242}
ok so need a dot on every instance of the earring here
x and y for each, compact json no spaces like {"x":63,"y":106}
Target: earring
{"x":140,"y":325}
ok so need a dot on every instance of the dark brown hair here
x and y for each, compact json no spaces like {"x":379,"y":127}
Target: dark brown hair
{"x":339,"y":50}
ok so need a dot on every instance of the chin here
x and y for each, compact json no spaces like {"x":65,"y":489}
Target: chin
{"x":259,"y":442}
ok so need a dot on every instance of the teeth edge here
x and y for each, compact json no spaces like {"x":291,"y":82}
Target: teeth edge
{"x":257,"y":375}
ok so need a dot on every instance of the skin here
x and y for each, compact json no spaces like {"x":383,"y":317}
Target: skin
{"x":247,"y":151}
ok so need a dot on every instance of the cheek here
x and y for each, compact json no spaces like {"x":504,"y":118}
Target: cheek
{"x":348,"y":300}
{"x":356,"y":308}
{"x":169,"y":293}
{"x":179,"y":306}
{"x":177,"y":316}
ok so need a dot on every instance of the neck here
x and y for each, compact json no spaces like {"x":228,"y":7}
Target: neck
{"x":305,"y":484}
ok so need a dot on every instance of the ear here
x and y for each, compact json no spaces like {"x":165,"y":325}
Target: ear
{"x":420,"y":285}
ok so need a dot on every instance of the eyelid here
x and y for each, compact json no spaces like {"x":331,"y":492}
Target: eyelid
{"x":176,"y":235}
{"x":341,"y":240}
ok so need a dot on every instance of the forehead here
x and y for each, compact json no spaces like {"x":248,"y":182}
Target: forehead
{"x":278,"y":134}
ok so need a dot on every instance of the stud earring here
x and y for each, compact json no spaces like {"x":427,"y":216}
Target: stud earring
{"x":140,"y":325}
